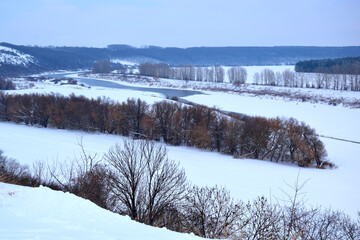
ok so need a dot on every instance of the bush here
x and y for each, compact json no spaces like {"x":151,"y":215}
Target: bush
{"x":7,"y":85}
{"x":11,"y":171}
{"x":211,"y":213}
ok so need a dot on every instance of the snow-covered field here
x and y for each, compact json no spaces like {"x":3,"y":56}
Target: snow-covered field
{"x":40,"y":213}
{"x":334,"y":121}
{"x":94,"y":92}
{"x":245,"y":178}
{"x":347,"y":98}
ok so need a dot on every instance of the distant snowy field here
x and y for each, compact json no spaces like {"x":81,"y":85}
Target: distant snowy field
{"x":94,"y":92}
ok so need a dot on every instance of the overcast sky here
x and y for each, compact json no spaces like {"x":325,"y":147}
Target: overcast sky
{"x":181,"y":23}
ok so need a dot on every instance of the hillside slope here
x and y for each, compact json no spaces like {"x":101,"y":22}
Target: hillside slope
{"x":41,"y":213}
{"x":70,"y":58}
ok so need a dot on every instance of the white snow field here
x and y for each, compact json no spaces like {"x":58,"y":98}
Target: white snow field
{"x":93,"y":92}
{"x":334,"y":121}
{"x":41,"y":213}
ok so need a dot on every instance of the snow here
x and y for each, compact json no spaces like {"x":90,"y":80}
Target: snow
{"x":14,"y":57}
{"x":333,"y":121}
{"x":41,"y":213}
{"x":119,"y":95}
{"x":317,"y":95}
{"x":245,"y":178}
{"x":124,"y":62}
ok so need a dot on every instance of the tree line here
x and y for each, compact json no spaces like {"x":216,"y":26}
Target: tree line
{"x":348,"y":65}
{"x":135,"y":178}
{"x":319,"y":80}
{"x":279,"y":140}
{"x":236,"y":74}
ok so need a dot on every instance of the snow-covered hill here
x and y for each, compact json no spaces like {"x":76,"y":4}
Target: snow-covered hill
{"x":41,"y":213}
{"x":10,"y":56}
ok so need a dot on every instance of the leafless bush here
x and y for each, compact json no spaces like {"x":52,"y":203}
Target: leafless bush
{"x":212,"y":213}
{"x":11,"y":171}
{"x":263,"y":220}
{"x":85,"y":177}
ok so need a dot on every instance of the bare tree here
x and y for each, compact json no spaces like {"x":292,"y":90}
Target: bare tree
{"x":268,"y":76}
{"x":288,"y":78}
{"x":145,"y":184}
{"x":263,"y":220}
{"x":257,"y":78}
{"x":199,"y":74}
{"x":237,"y":75}
{"x":219,"y":74}
{"x":278,"y":79}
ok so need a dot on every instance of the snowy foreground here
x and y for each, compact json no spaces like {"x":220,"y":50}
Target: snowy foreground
{"x":41,"y":213}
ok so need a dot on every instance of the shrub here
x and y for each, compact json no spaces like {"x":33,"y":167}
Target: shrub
{"x":7,"y":85}
{"x":11,"y":171}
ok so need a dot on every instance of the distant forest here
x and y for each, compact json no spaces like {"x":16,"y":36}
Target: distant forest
{"x":73,"y":58}
{"x":233,"y":56}
{"x":348,"y":65}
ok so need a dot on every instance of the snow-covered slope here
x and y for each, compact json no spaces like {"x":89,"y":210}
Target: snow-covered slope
{"x":41,"y":213}
{"x":10,"y":56}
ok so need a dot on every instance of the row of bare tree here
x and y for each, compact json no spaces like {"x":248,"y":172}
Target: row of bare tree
{"x":173,"y":123}
{"x":289,"y":78}
{"x":237,"y":74}
{"x":137,"y":179}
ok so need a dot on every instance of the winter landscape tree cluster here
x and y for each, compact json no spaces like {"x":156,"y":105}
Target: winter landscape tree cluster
{"x":101,"y":67}
{"x":236,"y":74}
{"x":279,"y":140}
{"x":318,"y":80}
